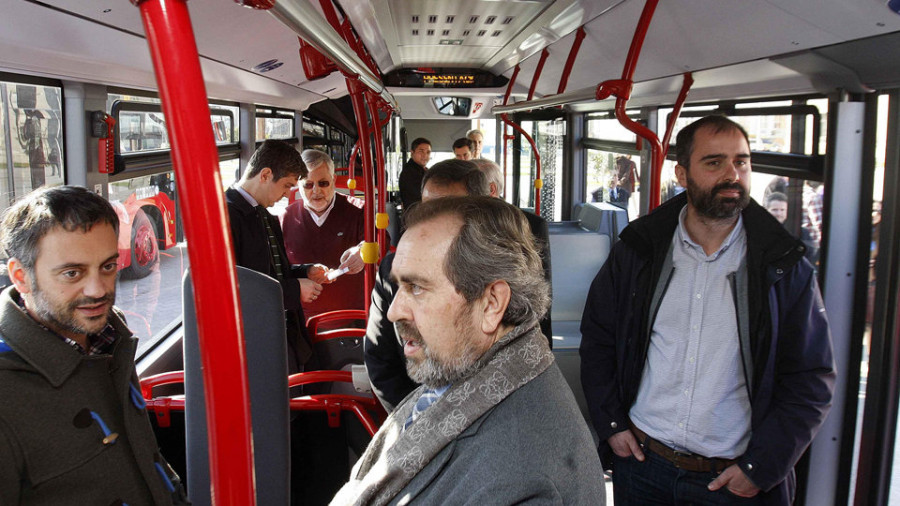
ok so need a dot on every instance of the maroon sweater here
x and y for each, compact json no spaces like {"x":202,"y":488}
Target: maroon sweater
{"x":306,"y":242}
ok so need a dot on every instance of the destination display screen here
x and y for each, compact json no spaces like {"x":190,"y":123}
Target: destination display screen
{"x":427,"y":77}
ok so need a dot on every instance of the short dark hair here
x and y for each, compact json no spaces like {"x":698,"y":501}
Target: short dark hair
{"x":418,"y":141}
{"x":775,"y":196}
{"x":27,"y":221}
{"x":458,"y":171}
{"x":684,"y":141}
{"x":464,"y":142}
{"x":281,"y":157}
{"x":494,"y":243}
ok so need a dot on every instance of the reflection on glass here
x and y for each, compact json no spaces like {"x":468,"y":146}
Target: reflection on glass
{"x":33,"y":117}
{"x":615,"y":178}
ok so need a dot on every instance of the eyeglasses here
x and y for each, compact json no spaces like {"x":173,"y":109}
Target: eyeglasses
{"x":322,"y":184}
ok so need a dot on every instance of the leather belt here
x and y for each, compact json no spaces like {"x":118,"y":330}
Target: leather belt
{"x":681,"y":460}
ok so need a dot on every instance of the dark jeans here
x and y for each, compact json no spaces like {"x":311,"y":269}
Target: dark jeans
{"x":657,"y":481}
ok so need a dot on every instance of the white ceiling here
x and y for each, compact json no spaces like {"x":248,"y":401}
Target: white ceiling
{"x":102,"y":41}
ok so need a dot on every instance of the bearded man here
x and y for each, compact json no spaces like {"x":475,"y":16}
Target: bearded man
{"x":706,"y":355}
{"x":73,"y":425}
{"x":493,"y":422}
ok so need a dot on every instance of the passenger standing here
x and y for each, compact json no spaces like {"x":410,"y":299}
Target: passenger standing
{"x":706,"y":354}
{"x":258,"y":243}
{"x":326,"y":228}
{"x":494,"y":421}
{"x":413,"y":171}
{"x":73,"y":424}
{"x":475,"y":135}
{"x":463,"y":148}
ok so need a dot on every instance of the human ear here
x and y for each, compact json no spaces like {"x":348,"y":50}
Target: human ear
{"x":265,"y":174}
{"x":681,"y":175}
{"x":18,"y":275}
{"x":495,"y":299}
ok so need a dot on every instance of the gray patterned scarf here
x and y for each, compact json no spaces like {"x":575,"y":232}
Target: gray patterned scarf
{"x":395,"y":456}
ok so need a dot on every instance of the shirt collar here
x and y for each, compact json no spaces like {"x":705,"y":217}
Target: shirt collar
{"x":685,"y":238}
{"x":244,"y":193}
{"x":319,"y":220}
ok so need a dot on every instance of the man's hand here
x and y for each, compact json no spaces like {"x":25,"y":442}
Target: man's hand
{"x":734,"y":479}
{"x":318,"y":273}
{"x":624,"y":444}
{"x":309,"y":290}
{"x":352,"y":260}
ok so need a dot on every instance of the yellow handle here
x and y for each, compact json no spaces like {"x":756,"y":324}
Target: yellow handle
{"x":538,"y":183}
{"x":369,"y":252}
{"x":381,"y":221}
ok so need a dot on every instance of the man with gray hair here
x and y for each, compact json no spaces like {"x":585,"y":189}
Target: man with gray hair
{"x":327,"y":228}
{"x":475,"y":135}
{"x":471,"y":337}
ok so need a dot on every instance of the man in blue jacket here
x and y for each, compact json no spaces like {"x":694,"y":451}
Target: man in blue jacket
{"x":706,"y":353}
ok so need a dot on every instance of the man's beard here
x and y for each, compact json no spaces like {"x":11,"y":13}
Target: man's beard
{"x":63,"y":316}
{"x":712,"y":205}
{"x":436,"y":371}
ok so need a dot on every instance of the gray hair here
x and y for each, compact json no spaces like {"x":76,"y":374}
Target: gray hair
{"x":491,"y":171}
{"x":313,"y":158}
{"x":474,"y":131}
{"x":494,"y":244}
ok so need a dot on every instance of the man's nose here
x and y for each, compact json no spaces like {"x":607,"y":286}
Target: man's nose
{"x":398,"y":310}
{"x":94,"y":286}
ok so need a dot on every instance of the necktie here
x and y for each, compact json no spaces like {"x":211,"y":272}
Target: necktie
{"x":273,"y":241}
{"x":429,"y":396}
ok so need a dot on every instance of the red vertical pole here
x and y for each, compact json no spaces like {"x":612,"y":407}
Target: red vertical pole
{"x":371,"y":100}
{"x":196,"y":161}
{"x":365,"y":148}
{"x":351,"y":168}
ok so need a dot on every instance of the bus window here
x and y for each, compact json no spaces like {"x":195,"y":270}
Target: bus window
{"x":274,"y":124}
{"x":32,"y":114}
{"x":615,"y":178}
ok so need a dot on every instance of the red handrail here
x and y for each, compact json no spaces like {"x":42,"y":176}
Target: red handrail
{"x":374,"y":112}
{"x":676,"y":110}
{"x":537,"y":73}
{"x":166,"y":378}
{"x":570,"y":61}
{"x":196,"y":161}
{"x":537,"y":160}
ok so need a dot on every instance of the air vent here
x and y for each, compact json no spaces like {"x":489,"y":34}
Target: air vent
{"x":432,"y":19}
{"x":490,"y":20}
{"x":508,"y":20}
{"x":496,"y":33}
{"x":429,"y":33}
{"x":415,"y":19}
{"x":473,"y":19}
{"x":466,"y":33}
{"x":415,"y":33}
{"x":481,"y":33}
{"x":445,"y":33}
{"x":450,"y":19}
{"x":267,"y":66}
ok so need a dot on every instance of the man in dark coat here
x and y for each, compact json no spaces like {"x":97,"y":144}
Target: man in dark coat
{"x":73,"y":425}
{"x":258,"y":243}
{"x":413,"y":171}
{"x":706,"y":354}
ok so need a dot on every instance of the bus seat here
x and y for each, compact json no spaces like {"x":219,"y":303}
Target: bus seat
{"x":602,"y":217}
{"x":337,"y":338}
{"x":263,"y":316}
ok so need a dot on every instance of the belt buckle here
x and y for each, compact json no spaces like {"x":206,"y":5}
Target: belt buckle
{"x":678,"y":457}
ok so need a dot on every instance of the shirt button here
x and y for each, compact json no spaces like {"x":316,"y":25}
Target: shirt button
{"x":749,"y":467}
{"x":681,"y":425}
{"x":685,"y":392}
{"x":698,"y":295}
{"x":691,"y":360}
{"x":614,"y":425}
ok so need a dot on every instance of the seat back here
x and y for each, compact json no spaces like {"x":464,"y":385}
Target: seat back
{"x":266,"y":352}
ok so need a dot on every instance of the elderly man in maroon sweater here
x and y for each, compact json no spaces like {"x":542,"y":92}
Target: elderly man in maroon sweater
{"x":326,"y":227}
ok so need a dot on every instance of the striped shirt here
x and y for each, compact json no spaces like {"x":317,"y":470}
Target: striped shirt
{"x":98,"y":344}
{"x":693,"y":395}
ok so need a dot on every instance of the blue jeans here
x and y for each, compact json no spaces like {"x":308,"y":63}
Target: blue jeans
{"x":656,"y":481}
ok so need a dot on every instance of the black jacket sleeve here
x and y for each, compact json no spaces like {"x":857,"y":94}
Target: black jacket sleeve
{"x":382,"y":351}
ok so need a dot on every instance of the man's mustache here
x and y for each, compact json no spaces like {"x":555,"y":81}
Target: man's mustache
{"x":729,"y":186}
{"x":408,"y":331}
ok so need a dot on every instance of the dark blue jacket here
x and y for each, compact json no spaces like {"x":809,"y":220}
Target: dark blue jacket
{"x":788,"y":359}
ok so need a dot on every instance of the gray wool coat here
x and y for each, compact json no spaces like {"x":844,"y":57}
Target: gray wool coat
{"x":51,"y":449}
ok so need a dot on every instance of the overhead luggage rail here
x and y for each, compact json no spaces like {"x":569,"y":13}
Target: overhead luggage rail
{"x":305,"y":21}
